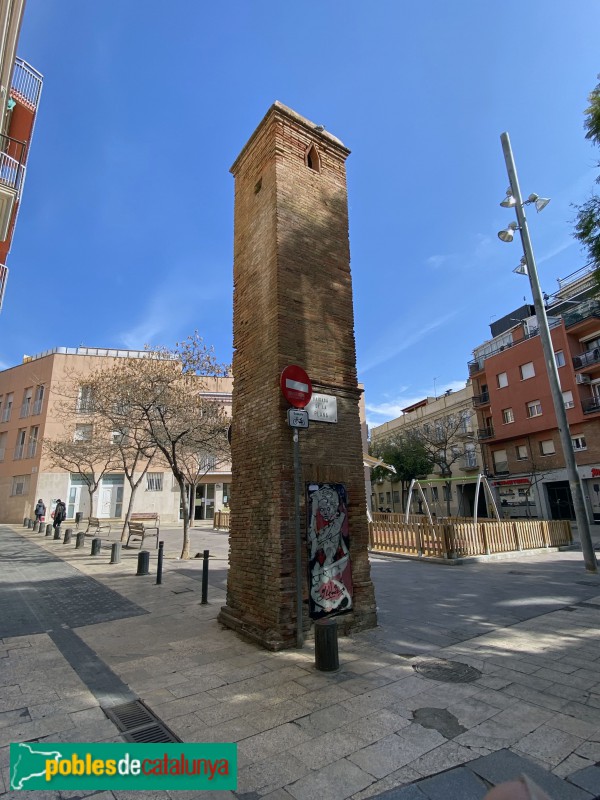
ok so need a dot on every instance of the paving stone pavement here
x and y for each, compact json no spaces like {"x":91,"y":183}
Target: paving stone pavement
{"x":378,"y":727}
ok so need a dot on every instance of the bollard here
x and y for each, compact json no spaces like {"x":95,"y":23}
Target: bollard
{"x":96,"y":545}
{"x":160,"y":563}
{"x":25,"y":521}
{"x":205,"y":557}
{"x":80,"y":540}
{"x":48,"y":529}
{"x":68,"y":535}
{"x":57,"y":532}
{"x":115,"y":553}
{"x":143,"y":567}
{"x":29,"y":524}
{"x":326,"y":645}
{"x":34,"y":527}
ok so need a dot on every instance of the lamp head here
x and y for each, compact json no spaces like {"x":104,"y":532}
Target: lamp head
{"x":509,"y":201}
{"x":508,"y":234}
{"x":522,"y":268}
{"x":540,"y":202}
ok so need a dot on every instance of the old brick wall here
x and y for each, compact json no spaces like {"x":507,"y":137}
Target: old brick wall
{"x":292,"y":305}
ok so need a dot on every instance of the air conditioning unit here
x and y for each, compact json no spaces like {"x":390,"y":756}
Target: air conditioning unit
{"x":582,"y":379}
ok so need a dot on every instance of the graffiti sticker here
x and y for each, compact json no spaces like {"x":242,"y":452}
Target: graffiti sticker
{"x":329,"y":568}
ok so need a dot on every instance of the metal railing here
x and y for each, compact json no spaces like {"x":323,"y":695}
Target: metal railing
{"x":12,"y":170}
{"x":3,"y":282}
{"x":585,"y":310}
{"x":587,"y":358}
{"x":591,"y":405}
{"x":469,"y":461}
{"x":26,"y":83}
{"x":482,"y":399}
{"x":486,"y":433}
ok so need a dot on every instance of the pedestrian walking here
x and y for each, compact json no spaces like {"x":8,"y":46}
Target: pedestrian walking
{"x":40,"y":511}
{"x":60,"y":513}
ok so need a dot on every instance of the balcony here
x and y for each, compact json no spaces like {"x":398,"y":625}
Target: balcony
{"x":587,"y":359}
{"x":591,"y":406}
{"x":480,"y":400}
{"x":585,"y":318}
{"x":3,"y":282}
{"x":12,"y":175}
{"x":26,"y":84}
{"x":476,"y":366}
{"x":468,"y":462}
{"x":485,"y":433}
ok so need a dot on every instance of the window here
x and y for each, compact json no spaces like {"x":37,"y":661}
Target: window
{"x":3,"y":438}
{"x":579,"y":443}
{"x":507,"y":415}
{"x":521,"y":452}
{"x":313,"y":160}
{"x":500,"y":462}
{"x":396,"y":496}
{"x":439,"y":431}
{"x":7,"y":407}
{"x":447,"y":490}
{"x":84,"y":400}
{"x":434,"y":493}
{"x":154,"y":481}
{"x":547,"y":447}
{"x":388,"y":498}
{"x":117,"y":437}
{"x":465,"y":418}
{"x":502,"y":379}
{"x":381,"y":499}
{"x":26,"y":404}
{"x":38,"y":401}
{"x":470,"y":456}
{"x":1,"y":403}
{"x":20,"y":448}
{"x":559,"y":357}
{"x":527,"y":371}
{"x":534,"y":409}
{"x":34,"y":433}
{"x":568,"y":399}
{"x":83,"y":433}
{"x":20,"y":485}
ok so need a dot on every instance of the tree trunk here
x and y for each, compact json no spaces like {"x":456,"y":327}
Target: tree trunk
{"x":91,"y":493}
{"x":448,"y":487}
{"x":185,"y":548}
{"x":134,"y":488}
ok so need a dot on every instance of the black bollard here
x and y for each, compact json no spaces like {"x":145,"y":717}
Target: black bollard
{"x":96,"y":546}
{"x":57,"y":532}
{"x":68,"y":535}
{"x":205,"y":557}
{"x":80,"y":540}
{"x":29,"y":524}
{"x":326,"y":645}
{"x":143,"y":567}
{"x":25,"y":519}
{"x":48,"y":529}
{"x":34,"y":527}
{"x":115,"y":553}
{"x":160,"y":563}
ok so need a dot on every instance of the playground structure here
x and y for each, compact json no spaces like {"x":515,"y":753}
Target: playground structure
{"x":481,"y":481}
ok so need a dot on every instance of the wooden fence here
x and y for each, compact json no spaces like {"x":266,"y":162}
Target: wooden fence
{"x":221,"y":520}
{"x":459,"y":537}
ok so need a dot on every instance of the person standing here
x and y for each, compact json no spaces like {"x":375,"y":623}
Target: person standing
{"x":60,"y":513}
{"x":40,"y":511}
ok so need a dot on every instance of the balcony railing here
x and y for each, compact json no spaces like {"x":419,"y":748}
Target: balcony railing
{"x":585,"y":310}
{"x":591,"y":405}
{"x":486,"y":433}
{"x":19,"y":451}
{"x":587,"y":358}
{"x":469,"y":461}
{"x":481,"y":399}
{"x":3,"y":282}
{"x":12,"y":162}
{"x":26,"y":84}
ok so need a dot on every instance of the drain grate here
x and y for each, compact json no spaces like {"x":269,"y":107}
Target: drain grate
{"x":440,"y":669}
{"x":138,"y":724}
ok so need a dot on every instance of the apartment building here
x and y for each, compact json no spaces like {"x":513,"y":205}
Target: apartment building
{"x":31,"y":410}
{"x":450,"y":421}
{"x":20,"y":90}
{"x":517,"y":425}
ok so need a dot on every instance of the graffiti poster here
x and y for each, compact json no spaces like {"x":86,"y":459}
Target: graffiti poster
{"x":329,"y":568}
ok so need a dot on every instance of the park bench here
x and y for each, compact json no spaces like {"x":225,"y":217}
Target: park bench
{"x":96,"y":525}
{"x":139,"y":527}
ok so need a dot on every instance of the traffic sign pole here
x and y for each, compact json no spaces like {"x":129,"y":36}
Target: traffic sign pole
{"x":299,"y":632}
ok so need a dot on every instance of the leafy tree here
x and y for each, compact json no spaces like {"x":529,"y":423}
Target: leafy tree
{"x":587,"y":221}
{"x":407,"y":454}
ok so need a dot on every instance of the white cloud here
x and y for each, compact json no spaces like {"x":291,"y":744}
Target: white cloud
{"x":378,"y":413}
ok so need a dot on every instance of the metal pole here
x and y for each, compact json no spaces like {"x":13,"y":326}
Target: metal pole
{"x":299,"y":636}
{"x":205,"y":557}
{"x":589,"y":556}
{"x":160,"y":563}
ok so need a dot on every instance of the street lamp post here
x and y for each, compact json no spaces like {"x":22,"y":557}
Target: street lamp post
{"x":589,"y":556}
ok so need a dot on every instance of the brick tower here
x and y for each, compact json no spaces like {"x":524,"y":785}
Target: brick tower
{"x":292,"y":305}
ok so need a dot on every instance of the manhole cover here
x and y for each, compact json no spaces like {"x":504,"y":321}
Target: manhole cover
{"x":439,"y":669}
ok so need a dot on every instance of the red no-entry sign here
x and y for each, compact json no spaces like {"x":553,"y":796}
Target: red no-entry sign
{"x":296,"y":386}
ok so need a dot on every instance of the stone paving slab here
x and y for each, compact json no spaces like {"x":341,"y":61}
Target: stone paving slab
{"x":354,"y":733}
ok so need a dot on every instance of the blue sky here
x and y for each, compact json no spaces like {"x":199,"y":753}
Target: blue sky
{"x":126,"y":227}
